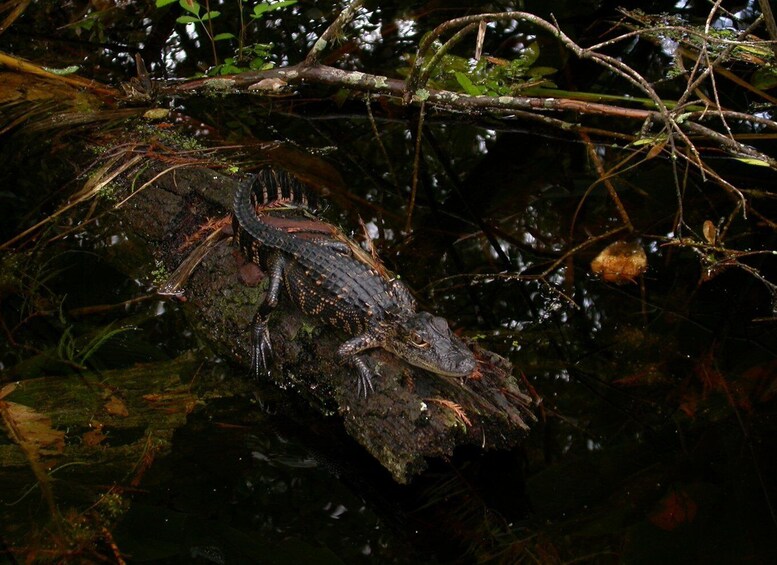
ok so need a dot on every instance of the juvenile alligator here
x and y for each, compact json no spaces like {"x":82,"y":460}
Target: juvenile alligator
{"x":334,"y":283}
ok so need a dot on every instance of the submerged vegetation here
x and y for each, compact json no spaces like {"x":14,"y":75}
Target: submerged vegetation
{"x":589,"y":192}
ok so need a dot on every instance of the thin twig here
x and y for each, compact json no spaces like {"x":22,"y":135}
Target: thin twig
{"x":606,"y":181}
{"x":332,"y":32}
{"x":416,"y":164}
{"x":771,"y":25}
{"x":209,"y":31}
{"x":381,"y":146}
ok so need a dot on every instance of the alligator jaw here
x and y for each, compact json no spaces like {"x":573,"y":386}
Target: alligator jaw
{"x":427,"y":342}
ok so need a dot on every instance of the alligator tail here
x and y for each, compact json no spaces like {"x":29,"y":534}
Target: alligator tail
{"x":246,"y":224}
{"x":273,"y":187}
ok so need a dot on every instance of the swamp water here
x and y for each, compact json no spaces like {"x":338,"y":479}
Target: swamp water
{"x":656,"y":431}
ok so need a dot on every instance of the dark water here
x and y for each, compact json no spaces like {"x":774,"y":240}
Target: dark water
{"x":656,"y":434}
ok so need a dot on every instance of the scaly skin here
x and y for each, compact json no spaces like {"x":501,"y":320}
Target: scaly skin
{"x":333,"y":283}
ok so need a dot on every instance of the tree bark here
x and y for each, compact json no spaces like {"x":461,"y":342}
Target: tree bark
{"x":412,"y":415}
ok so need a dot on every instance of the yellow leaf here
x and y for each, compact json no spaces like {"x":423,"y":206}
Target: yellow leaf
{"x":753,"y":161}
{"x":648,"y":140}
{"x":620,"y":262}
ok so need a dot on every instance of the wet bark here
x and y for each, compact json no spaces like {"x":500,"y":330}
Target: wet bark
{"x":411,"y":416}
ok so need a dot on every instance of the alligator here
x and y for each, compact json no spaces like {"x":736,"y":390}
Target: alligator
{"x":332,"y":280}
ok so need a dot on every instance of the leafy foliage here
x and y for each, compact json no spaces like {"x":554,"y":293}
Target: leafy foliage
{"x":492,"y":76}
{"x":247,"y":57}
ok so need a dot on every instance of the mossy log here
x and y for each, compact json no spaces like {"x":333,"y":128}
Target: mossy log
{"x":411,"y":416}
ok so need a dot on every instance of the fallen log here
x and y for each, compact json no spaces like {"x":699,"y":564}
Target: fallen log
{"x":411,"y":416}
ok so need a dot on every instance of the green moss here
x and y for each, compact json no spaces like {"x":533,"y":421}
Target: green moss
{"x":160,"y":274}
{"x":108,"y":193}
{"x":307,"y":328}
{"x":169,"y":137}
{"x":219,"y":86}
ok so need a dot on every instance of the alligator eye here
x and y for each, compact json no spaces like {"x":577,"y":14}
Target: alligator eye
{"x":418,"y":341}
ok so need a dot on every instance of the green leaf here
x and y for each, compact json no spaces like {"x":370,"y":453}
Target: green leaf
{"x":162,"y":3}
{"x":190,"y":6}
{"x":536,"y":72}
{"x":223,"y":36}
{"x":648,"y":140}
{"x":755,"y":50}
{"x":467,"y":85}
{"x":230,"y":70}
{"x":753,"y":161}
{"x":494,"y":88}
{"x":99,"y":340}
{"x":530,"y":54}
{"x":187,"y":20}
{"x":210,"y":15}
{"x":764,"y":78}
{"x":282,"y":4}
{"x":260,"y":9}
{"x":453,"y":63}
{"x":257,"y":63}
{"x":87,"y":23}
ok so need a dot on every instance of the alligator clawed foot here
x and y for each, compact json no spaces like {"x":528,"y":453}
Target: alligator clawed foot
{"x":261,"y":350}
{"x":364,"y":384}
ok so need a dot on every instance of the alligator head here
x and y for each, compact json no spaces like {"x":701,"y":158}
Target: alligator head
{"x":426,"y":341}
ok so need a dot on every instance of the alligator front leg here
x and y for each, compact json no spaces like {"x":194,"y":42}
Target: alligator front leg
{"x":261,"y":346}
{"x":349,"y":353}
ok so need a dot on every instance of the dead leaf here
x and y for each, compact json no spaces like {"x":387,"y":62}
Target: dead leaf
{"x":461,"y":415}
{"x":7,"y":389}
{"x":655,"y":150}
{"x":620,"y":262}
{"x":675,"y":509}
{"x":176,"y":401}
{"x":116,"y":407}
{"x":497,"y":61}
{"x":32,"y":430}
{"x":94,"y":437}
{"x":650,"y":375}
{"x":710,"y":232}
